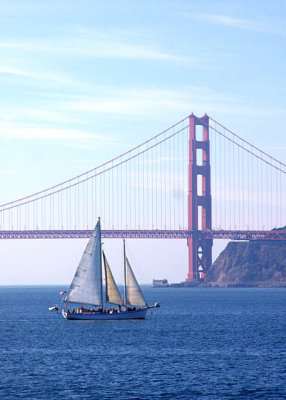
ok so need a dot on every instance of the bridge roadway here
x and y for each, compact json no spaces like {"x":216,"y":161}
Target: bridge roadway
{"x":144,"y":234}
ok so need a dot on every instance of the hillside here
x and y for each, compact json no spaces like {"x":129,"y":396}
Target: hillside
{"x":256,"y":263}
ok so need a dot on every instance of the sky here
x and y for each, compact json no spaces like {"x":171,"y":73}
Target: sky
{"x":82,"y":82}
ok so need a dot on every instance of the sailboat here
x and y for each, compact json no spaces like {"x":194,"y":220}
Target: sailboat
{"x":86,"y":288}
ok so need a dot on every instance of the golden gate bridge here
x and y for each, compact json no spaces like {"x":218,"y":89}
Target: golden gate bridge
{"x":196,"y":180}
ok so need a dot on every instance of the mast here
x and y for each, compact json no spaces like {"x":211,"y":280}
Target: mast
{"x":125,"y":289}
{"x":100,"y":245}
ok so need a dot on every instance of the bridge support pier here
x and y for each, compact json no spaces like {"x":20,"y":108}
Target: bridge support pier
{"x":199,"y":199}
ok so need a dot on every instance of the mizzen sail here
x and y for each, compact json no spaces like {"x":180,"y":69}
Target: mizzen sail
{"x":134,"y":295}
{"x":112,"y":292}
{"x":86,"y":287}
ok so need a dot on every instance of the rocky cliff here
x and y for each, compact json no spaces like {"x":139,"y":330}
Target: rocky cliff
{"x":256,"y":263}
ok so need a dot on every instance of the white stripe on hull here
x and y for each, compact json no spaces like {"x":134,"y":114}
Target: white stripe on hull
{"x":137,"y":314}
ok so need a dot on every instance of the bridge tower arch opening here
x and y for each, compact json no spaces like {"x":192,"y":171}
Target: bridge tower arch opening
{"x":199,"y":199}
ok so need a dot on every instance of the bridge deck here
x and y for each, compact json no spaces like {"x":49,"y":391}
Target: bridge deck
{"x":144,"y":234}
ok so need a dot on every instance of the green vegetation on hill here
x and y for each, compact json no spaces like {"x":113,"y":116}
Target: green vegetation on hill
{"x":254,"y":263}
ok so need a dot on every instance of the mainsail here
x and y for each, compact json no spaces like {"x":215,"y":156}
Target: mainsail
{"x":86,"y":287}
{"x":112,"y":292}
{"x":134,"y":295}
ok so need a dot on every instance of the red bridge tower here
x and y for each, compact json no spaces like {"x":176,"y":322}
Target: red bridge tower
{"x":199,"y":199}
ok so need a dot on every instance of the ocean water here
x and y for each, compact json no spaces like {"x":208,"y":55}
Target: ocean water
{"x":201,"y":344}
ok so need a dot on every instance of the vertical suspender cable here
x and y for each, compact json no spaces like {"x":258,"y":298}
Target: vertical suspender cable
{"x":178,"y":180}
{"x":165,"y":183}
{"x":248,"y":194}
{"x":225,"y":185}
{"x":169,"y":188}
{"x":229,"y":184}
{"x":260,"y":195}
{"x":138,"y":185}
{"x":257,"y":195}
{"x":220,"y":181}
{"x":121,"y":194}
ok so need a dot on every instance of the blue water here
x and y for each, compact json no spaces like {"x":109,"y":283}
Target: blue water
{"x":201,"y":344}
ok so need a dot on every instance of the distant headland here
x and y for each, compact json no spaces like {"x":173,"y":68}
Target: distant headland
{"x":258,"y":263}
{"x":249,"y":264}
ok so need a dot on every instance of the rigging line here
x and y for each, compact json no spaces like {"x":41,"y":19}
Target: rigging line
{"x":94,"y":169}
{"x":245,"y":141}
{"x":92,"y":176}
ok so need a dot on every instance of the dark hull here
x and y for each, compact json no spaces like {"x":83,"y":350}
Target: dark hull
{"x":99,"y":316}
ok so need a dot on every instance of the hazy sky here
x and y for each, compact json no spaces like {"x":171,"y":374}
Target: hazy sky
{"x":82,"y":81}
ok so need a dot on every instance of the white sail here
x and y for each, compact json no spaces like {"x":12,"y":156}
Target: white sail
{"x":86,"y":287}
{"x":134,"y":295}
{"x":112,"y":292}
